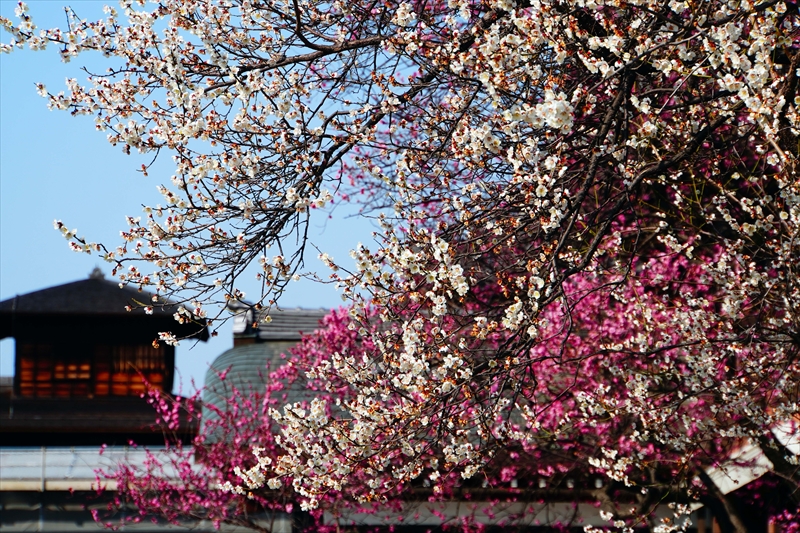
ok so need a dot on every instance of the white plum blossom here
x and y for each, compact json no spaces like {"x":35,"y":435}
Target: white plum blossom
{"x":404,"y":15}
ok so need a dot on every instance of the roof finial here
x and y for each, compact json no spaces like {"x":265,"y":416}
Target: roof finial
{"x":96,"y":273}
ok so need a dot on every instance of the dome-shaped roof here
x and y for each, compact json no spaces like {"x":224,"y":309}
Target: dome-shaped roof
{"x":246,"y":368}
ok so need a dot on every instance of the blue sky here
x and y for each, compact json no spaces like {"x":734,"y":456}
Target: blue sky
{"x":55,"y":166}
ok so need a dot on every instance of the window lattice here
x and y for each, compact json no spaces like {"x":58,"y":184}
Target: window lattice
{"x":52,"y":371}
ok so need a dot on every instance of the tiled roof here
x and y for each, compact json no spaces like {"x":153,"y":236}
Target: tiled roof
{"x":93,"y":296}
{"x":283,"y":325}
{"x":245,"y":368}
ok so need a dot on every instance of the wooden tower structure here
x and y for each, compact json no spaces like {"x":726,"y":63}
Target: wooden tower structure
{"x":85,"y":353}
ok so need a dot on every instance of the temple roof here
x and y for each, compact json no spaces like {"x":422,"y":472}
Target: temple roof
{"x":92,"y":296}
{"x":283,"y":325}
{"x":95,"y":296}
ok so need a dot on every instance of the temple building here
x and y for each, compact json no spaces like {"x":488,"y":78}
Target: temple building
{"x":85,"y":354}
{"x":79,"y":342}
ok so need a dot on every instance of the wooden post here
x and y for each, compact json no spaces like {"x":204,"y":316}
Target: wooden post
{"x":701,"y":521}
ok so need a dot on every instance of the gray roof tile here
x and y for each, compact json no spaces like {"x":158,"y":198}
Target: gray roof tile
{"x":93,"y":296}
{"x":284,"y":324}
